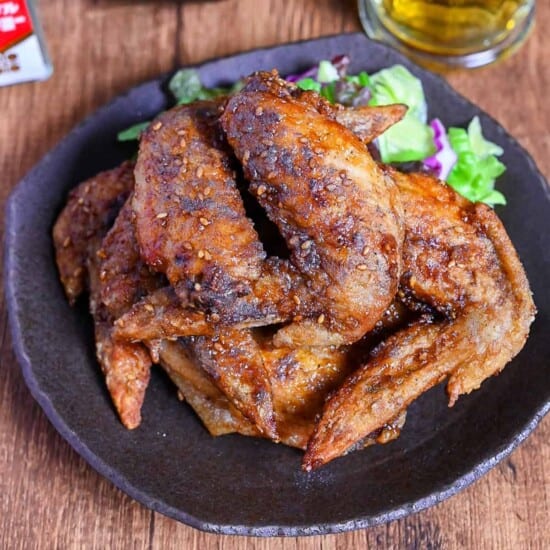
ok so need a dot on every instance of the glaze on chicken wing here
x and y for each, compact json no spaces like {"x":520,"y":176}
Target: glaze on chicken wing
{"x":335,"y":208}
{"x":458,"y":259}
{"x":90,"y":210}
{"x":78,"y":236}
{"x":190,"y":220}
{"x":120,"y":279}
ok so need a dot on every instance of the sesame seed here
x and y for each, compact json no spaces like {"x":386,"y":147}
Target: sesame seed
{"x":312,"y":163}
{"x":246,"y":155}
{"x":207,"y":191}
{"x":200,"y":253}
{"x":306,"y":244}
{"x":199,"y":172}
{"x":204,"y":221}
{"x":187,"y":246}
{"x":178,"y":161}
{"x":271,"y":175}
{"x":331,"y":187}
{"x":366,"y":250}
{"x":157,"y":126}
{"x":197,"y":287}
{"x":66,"y":242}
{"x":218,"y":346}
{"x":362,"y":267}
{"x":297,"y":300}
{"x":162,"y":215}
{"x":215,"y":318}
{"x":201,"y":196}
{"x":207,"y":255}
{"x":181,"y":132}
{"x":303,"y":140}
{"x":321,"y":318}
{"x":259,"y":111}
{"x":452,"y":263}
{"x":180,"y":396}
{"x":78,"y":271}
{"x":103,"y":274}
{"x":80,"y":201}
{"x":149,"y":308}
{"x":298,"y":318}
{"x":261,"y":190}
{"x":183,"y":143}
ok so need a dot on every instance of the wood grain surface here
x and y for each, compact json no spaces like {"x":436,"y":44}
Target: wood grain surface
{"x":49,"y":497}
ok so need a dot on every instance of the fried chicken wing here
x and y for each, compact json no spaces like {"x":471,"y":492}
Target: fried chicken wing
{"x":190,"y":220}
{"x":83,"y":238}
{"x":121,"y":279}
{"x":458,"y":259}
{"x":335,"y":208}
{"x":214,"y":409}
{"x":90,"y":210}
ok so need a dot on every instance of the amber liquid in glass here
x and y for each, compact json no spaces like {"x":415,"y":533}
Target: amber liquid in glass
{"x":448,"y":28}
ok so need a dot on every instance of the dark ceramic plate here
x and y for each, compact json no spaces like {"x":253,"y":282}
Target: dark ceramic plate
{"x":235,"y":484}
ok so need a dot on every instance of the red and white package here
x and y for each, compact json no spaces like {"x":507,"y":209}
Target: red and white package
{"x":23,"y":56}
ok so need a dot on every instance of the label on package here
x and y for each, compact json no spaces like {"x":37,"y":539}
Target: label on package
{"x":22,"y":55}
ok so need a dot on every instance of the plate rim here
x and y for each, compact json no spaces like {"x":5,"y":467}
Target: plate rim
{"x":114,"y":475}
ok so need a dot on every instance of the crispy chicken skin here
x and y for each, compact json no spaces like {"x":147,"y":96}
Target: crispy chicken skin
{"x":300,"y":379}
{"x":191,"y":225}
{"x":90,"y":210}
{"x":271,"y":298}
{"x":367,"y":123}
{"x":85,"y":259}
{"x":233,"y":360}
{"x":190,"y":220}
{"x":214,"y":409}
{"x":458,"y":259}
{"x":125,"y":278}
{"x":338,"y":213}
{"x":120,"y":279}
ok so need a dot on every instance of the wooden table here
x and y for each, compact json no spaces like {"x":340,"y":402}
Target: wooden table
{"x":49,"y":497}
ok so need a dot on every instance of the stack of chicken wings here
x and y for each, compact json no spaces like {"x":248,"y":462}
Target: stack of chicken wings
{"x":292,"y":287}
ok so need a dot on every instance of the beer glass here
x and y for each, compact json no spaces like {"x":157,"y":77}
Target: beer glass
{"x":442,"y":33}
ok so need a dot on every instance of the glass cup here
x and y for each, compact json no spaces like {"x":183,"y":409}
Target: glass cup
{"x":449,"y":33}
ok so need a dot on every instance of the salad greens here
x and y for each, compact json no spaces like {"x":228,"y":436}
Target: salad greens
{"x":477,"y":167}
{"x":465,"y":159}
{"x":410,"y":139}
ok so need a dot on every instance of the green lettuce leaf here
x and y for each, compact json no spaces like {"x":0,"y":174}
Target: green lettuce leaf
{"x":477,"y":167}
{"x":132,"y":133}
{"x":410,"y":139}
